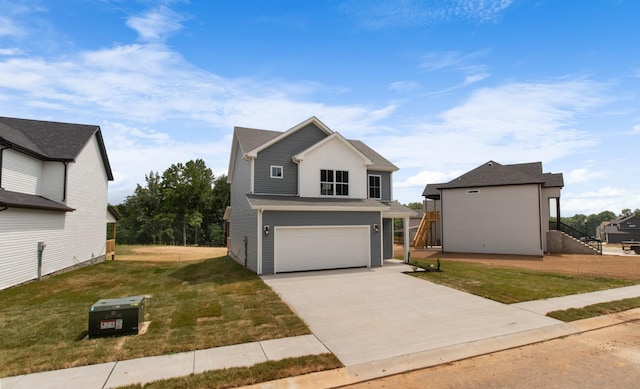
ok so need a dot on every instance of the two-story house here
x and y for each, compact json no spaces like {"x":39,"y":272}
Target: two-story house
{"x":53,"y":198}
{"x":621,"y":229}
{"x":309,"y":199}
{"x":498,"y":209}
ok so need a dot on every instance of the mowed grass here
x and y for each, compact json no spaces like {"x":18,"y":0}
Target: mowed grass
{"x":242,"y":376}
{"x":596,"y":309}
{"x":508,"y":285}
{"x":195,"y":305}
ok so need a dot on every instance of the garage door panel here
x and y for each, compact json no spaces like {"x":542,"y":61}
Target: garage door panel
{"x":315,"y":248}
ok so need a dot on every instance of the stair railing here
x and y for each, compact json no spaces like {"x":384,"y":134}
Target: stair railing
{"x":580,"y":235}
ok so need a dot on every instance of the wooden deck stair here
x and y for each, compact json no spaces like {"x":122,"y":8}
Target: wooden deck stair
{"x":424,"y":230}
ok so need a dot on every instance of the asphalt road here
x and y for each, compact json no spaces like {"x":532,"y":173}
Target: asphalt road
{"x":605,"y":358}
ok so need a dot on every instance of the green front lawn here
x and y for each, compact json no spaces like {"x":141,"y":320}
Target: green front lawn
{"x":508,"y":285}
{"x":195,"y":305}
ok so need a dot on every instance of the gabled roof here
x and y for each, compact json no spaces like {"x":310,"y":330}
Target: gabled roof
{"x":51,"y":141}
{"x":300,"y":156}
{"x":251,"y":141}
{"x":312,"y":120}
{"x":22,"y":200}
{"x":494,"y":174}
{"x":379,"y":162}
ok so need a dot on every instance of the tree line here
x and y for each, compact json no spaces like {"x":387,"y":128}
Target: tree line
{"x":183,"y":206}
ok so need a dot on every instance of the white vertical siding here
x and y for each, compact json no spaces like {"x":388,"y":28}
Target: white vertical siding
{"x":497,"y":220}
{"x":21,"y":173}
{"x":337,"y":156}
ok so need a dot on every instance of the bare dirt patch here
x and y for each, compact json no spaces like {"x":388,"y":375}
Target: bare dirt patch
{"x":627,"y":267}
{"x":171,"y":253}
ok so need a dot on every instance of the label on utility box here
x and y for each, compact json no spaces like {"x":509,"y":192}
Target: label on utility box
{"x":111,"y":324}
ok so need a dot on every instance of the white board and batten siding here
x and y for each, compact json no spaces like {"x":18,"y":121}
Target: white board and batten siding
{"x":322,"y":247}
{"x":496,"y":220}
{"x":334,"y":155}
{"x":70,"y":237}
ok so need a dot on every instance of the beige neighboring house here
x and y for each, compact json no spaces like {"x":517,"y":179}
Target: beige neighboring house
{"x":53,"y":198}
{"x":497,"y":209}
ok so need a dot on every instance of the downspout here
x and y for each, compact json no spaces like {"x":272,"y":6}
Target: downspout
{"x":259,"y":243}
{"x":540,"y":218}
{"x":1,"y":158}
{"x":64,"y":183}
{"x":406,"y":240}
{"x":441,"y":220}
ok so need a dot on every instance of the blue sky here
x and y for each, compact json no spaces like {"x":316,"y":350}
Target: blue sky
{"x":437,"y":87}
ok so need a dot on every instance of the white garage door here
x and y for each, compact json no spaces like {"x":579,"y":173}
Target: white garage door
{"x":315,"y":248}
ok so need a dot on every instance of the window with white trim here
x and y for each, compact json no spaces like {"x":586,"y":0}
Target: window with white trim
{"x":334,"y":182}
{"x":375,"y":186}
{"x":276,"y":171}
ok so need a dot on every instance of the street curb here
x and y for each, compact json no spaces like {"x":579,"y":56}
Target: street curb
{"x":378,"y":369}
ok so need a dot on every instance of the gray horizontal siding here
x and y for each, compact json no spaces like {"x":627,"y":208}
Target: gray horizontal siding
{"x":243,"y":220}
{"x":387,"y":247}
{"x":273,"y":219}
{"x":280,"y":154}
{"x":385,"y":183}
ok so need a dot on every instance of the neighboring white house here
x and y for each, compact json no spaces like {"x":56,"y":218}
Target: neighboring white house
{"x":53,"y":198}
{"x":498,"y":209}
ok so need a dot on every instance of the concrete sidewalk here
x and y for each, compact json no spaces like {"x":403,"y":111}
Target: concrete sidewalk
{"x":144,"y":370}
{"x":545,"y":306}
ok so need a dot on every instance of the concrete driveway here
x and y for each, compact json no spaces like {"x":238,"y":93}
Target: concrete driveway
{"x":367,"y":315}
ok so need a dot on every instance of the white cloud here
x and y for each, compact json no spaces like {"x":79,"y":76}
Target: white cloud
{"x":593,"y":202}
{"x":404,"y":86}
{"x":156,"y":24}
{"x":582,"y":175}
{"x":135,"y":152}
{"x":511,"y":123}
{"x":10,"y":51}
{"x":376,"y":14}
{"x":8,"y":27}
{"x":636,"y":129}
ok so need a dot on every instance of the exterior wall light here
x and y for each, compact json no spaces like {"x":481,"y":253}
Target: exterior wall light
{"x":376,"y":228}
{"x":266,"y":230}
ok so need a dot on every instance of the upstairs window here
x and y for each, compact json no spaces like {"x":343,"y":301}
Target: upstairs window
{"x":334,"y":182}
{"x":375,"y":187}
{"x":276,"y":171}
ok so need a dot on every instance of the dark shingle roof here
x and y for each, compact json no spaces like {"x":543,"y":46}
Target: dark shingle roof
{"x":251,"y":138}
{"x":431,"y":191}
{"x":22,"y":200}
{"x":379,"y":162}
{"x":50,"y":141}
{"x":495,"y":174}
{"x":310,"y":203}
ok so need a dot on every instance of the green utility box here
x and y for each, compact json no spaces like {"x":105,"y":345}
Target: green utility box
{"x":121,"y":316}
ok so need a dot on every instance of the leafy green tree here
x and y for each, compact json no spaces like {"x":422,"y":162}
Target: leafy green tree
{"x":185,"y":204}
{"x":417,"y":206}
{"x":188,"y":191}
